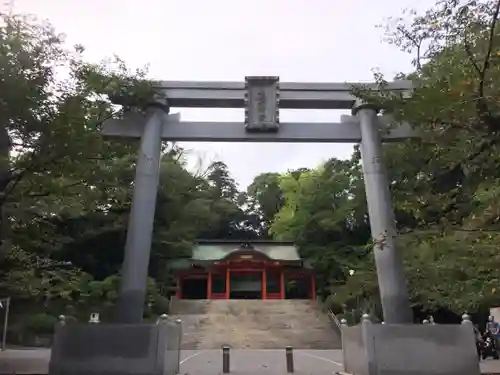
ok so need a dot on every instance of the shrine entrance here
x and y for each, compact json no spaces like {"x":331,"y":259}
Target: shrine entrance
{"x":257,"y":270}
{"x":245,"y":284}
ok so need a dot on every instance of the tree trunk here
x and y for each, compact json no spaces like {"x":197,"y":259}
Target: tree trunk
{"x":5,"y":179}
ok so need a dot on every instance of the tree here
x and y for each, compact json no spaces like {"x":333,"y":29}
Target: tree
{"x":53,"y":154}
{"x":56,"y":170}
{"x":230,"y":221}
{"x":324,"y":212}
{"x":265,"y":199}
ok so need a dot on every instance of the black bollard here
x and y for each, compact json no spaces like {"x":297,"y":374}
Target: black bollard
{"x":225,"y":360}
{"x":289,"y":359}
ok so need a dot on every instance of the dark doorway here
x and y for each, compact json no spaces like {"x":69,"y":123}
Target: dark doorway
{"x":273,"y":281}
{"x":194,"y":289}
{"x":297,"y":287}
{"x":246,"y":285}
{"x":218,"y":283}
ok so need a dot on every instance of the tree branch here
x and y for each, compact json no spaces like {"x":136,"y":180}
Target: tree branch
{"x":417,"y":43}
{"x":34,"y":163}
{"x":486,"y":62}
{"x":485,"y":146}
{"x":471,"y":57}
{"x":16,"y":178}
{"x":482,"y":107}
{"x":47,"y":193}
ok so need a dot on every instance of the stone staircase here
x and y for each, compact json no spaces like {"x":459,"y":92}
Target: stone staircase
{"x":254,"y":324}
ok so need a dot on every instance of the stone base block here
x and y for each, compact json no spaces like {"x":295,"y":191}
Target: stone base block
{"x":116,"y":349}
{"x":428,"y":349}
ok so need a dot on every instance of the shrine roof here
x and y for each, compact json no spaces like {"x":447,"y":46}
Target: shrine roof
{"x":217,"y":250}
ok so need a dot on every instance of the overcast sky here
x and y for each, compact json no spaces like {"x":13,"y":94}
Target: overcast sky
{"x":224,"y":40}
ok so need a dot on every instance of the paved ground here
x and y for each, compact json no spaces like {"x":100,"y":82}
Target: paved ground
{"x":490,"y":366}
{"x":24,"y":361}
{"x":209,"y":362}
{"x":246,"y":362}
{"x":194,"y":362}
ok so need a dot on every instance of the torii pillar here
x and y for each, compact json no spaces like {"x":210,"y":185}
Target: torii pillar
{"x":390,"y":273}
{"x":133,"y":290}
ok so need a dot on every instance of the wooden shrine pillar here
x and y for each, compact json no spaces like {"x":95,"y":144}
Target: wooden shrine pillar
{"x":264,"y":283}
{"x":228,"y":283}
{"x":282,"y":284}
{"x":209,"y":284}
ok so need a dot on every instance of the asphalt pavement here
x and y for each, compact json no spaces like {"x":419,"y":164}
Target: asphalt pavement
{"x":266,"y":361}
{"x":209,"y":362}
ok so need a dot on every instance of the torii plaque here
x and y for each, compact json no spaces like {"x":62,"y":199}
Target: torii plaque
{"x":262,"y":104}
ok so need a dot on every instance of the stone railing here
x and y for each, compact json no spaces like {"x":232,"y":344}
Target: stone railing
{"x":335,"y":322}
{"x":331,"y":316}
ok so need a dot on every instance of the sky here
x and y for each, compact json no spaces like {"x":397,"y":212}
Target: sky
{"x":226,"y":40}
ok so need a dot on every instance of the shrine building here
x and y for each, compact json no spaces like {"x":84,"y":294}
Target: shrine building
{"x":244,"y":270}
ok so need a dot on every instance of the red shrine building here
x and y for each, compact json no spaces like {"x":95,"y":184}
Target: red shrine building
{"x":248,"y":270}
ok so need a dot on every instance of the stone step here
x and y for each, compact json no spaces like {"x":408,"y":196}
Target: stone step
{"x":254,"y":324}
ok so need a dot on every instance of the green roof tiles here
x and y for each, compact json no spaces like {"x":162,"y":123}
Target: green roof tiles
{"x":217,"y":251}
{"x":180,"y":263}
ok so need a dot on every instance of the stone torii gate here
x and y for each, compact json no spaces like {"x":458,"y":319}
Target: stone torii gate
{"x":261,"y":97}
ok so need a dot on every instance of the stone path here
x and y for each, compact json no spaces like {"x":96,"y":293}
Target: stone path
{"x":209,"y":362}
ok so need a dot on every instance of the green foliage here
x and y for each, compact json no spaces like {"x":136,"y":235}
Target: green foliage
{"x":102,"y":296}
{"x":324,"y":212}
{"x":39,"y":280}
{"x":265,"y":199}
{"x":40,"y":324}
